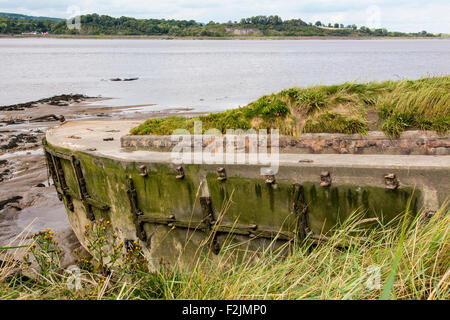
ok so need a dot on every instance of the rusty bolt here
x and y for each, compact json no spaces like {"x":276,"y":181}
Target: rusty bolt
{"x":143,"y":170}
{"x":222,"y":174}
{"x":270,"y":179}
{"x":391,"y":182}
{"x":180,"y":172}
{"x":325,"y":179}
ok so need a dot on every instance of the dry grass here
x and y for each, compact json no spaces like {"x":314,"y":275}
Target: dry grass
{"x":413,"y":259}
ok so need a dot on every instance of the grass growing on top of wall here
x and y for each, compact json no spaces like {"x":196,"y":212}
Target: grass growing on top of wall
{"x":396,"y":261}
{"x":390,"y":106}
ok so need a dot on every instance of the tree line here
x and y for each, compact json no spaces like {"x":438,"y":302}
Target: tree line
{"x":258,"y":26}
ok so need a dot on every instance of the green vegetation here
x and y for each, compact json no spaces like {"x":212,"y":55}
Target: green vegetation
{"x":259,"y":26}
{"x":23,"y":16}
{"x":391,"y":106}
{"x":17,"y":26}
{"x":334,"y":122}
{"x":412,"y":256}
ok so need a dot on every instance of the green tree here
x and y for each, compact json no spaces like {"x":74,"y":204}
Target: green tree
{"x":3,"y":28}
{"x":94,"y":24}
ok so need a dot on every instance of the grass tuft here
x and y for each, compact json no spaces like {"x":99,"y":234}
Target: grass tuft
{"x":336,"y":123}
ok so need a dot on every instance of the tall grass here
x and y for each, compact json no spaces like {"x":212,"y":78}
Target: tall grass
{"x":423,"y":105}
{"x":412,"y":258}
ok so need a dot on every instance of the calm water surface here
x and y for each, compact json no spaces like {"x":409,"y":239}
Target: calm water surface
{"x":204,"y":74}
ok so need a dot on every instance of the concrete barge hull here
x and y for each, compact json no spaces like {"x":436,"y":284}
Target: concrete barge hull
{"x":172,"y":214}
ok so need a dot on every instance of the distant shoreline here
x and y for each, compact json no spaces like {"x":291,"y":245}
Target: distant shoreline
{"x":144,"y":37}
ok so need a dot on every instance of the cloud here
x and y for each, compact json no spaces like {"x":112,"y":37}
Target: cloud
{"x":401,"y":15}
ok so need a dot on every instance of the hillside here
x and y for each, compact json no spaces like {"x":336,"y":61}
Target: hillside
{"x":259,"y":26}
{"x":390,"y":106}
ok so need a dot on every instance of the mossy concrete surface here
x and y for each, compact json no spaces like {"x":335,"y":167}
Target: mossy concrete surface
{"x":243,"y":199}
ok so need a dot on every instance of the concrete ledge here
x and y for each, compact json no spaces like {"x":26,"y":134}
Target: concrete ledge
{"x":428,"y":173}
{"x":375,"y":142}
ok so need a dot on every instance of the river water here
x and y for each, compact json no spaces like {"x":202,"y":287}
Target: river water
{"x":208,"y":75}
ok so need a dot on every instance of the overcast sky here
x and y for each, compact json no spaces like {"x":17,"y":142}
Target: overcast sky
{"x":401,"y":15}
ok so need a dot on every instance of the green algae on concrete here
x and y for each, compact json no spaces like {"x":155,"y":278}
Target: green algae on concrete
{"x":252,"y":201}
{"x":330,"y":207}
{"x":240,"y":199}
{"x":160,"y":193}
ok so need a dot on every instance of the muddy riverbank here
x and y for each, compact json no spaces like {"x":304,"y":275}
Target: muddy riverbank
{"x":28,"y":199}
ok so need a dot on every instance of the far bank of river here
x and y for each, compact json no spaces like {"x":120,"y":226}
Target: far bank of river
{"x":146,"y":37}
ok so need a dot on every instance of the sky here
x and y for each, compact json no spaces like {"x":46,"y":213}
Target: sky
{"x":402,"y":15}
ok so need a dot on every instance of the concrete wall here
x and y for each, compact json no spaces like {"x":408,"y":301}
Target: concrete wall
{"x":375,"y":142}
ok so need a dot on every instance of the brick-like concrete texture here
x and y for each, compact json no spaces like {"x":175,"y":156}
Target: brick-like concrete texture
{"x":375,"y":142}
